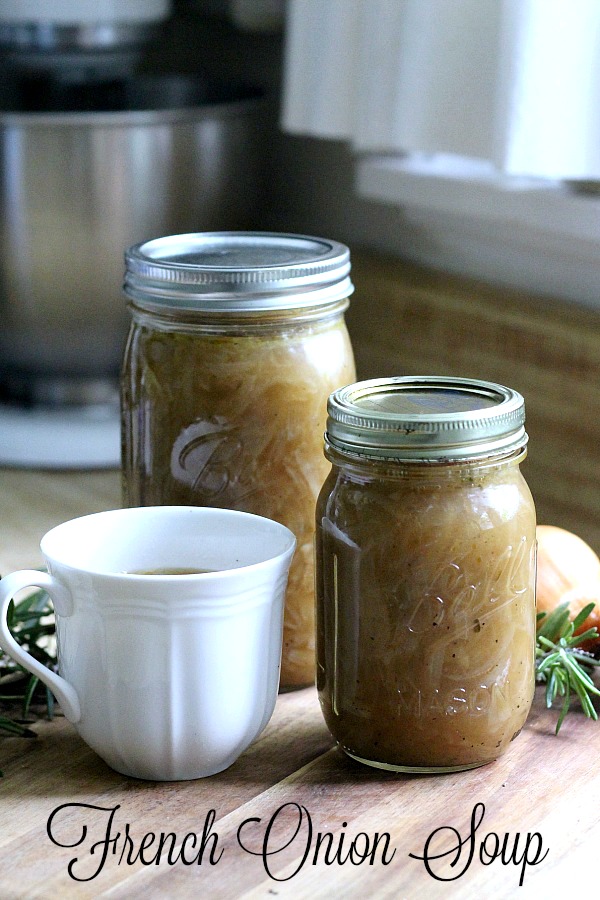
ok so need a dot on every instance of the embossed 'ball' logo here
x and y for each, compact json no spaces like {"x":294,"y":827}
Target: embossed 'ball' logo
{"x":207,"y":457}
{"x":427,"y":613}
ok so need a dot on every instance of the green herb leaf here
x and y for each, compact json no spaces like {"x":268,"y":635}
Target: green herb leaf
{"x":561,"y":662}
{"x":32,"y":624}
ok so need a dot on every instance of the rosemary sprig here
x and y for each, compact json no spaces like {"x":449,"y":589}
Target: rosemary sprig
{"x":562,"y":664}
{"x":32,"y":624}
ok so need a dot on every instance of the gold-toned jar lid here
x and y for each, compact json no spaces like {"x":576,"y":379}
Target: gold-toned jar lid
{"x":238,"y":272}
{"x":426,"y":418}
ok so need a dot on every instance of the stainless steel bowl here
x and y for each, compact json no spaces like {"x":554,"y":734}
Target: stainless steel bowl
{"x":76,"y":189}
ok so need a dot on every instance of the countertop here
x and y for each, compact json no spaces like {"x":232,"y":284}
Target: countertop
{"x":540,"y":801}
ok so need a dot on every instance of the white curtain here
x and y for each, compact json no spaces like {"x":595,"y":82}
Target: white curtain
{"x":514,"y":82}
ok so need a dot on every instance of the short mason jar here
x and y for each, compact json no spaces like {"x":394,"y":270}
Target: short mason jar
{"x":426,"y":542}
{"x":236,"y":341}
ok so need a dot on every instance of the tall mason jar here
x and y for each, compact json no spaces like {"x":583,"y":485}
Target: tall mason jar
{"x":425,"y":573}
{"x":236,"y":341}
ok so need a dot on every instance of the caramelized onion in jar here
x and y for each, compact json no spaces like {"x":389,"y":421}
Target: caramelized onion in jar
{"x":425,"y":599}
{"x":228,"y":410}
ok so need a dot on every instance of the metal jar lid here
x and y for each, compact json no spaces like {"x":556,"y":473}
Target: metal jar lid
{"x":427,"y":419}
{"x":237,"y":272}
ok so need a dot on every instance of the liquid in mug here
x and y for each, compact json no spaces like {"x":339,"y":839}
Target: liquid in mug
{"x":170,"y":571}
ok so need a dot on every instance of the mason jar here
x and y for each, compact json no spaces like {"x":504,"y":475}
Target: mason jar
{"x":236,"y":341}
{"x":426,"y":541}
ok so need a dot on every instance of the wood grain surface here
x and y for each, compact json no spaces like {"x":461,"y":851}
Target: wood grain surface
{"x":544,"y":784}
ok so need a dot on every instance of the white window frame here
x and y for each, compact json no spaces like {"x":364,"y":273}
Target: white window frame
{"x":463,"y":216}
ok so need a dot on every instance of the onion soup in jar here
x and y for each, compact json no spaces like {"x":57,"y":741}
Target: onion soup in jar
{"x":236,"y":341}
{"x":425,"y":580}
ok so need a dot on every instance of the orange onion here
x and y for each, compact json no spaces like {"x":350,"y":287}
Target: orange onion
{"x":568,"y":571}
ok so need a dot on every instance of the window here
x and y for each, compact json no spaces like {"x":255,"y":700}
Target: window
{"x":481,"y":118}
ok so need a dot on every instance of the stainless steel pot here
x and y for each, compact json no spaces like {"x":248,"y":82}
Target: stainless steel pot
{"x":76,"y":189}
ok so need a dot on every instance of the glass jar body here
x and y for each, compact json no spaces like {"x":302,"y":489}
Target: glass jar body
{"x":232,"y":414}
{"x":425,"y":610}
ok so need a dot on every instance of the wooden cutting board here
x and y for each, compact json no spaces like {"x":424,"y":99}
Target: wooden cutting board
{"x":544,"y":785}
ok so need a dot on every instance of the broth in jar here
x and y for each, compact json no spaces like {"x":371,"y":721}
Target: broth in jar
{"x":236,"y":342}
{"x":425,"y":574}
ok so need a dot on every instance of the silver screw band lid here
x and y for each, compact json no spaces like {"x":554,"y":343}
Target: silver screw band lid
{"x":243,"y":271}
{"x":426,"y":418}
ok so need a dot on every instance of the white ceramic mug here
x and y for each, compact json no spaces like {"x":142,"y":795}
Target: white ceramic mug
{"x":165,"y":676}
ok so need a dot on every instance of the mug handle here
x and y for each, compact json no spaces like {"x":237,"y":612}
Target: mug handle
{"x":61,"y":597}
